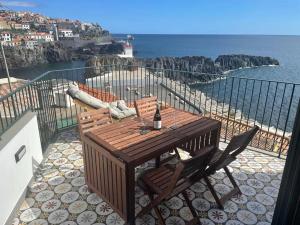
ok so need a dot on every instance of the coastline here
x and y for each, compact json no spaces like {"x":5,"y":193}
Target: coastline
{"x":248,"y":67}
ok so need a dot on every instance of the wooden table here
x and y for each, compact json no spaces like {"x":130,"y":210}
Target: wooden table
{"x":112,"y":152}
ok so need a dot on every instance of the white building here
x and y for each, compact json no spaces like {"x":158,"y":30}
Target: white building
{"x":30,"y":44}
{"x":5,"y":36}
{"x":41,"y":36}
{"x":127,"y":51}
{"x":48,"y":37}
{"x":65,"y":33}
{"x":25,"y":26}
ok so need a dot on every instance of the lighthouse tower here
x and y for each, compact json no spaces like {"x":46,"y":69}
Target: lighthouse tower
{"x":127,"y":50}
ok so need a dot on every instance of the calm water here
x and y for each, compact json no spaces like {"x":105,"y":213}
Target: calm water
{"x":266,"y":107}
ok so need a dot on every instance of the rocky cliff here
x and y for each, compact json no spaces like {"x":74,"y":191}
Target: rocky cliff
{"x":90,"y":50}
{"x":47,"y":53}
{"x":192,"y":64}
{"x":231,"y":62}
{"x":199,"y":64}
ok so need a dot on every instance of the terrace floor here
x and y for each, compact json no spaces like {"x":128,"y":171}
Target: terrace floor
{"x":59,"y":194}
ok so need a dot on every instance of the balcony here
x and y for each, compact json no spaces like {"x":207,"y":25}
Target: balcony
{"x":59,"y":195}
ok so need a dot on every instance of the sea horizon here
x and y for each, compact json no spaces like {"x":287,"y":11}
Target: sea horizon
{"x":207,"y":34}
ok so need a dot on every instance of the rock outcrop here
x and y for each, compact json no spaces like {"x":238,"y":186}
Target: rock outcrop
{"x":18,"y":57}
{"x":90,"y":50}
{"x":104,"y":62}
{"x":199,"y":64}
{"x":231,"y":62}
{"x":193,"y":65}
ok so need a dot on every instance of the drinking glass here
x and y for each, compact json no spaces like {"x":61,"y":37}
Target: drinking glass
{"x":174,"y":126}
{"x":143,"y":129}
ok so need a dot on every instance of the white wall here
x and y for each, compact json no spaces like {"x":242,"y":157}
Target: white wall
{"x":16,"y":176}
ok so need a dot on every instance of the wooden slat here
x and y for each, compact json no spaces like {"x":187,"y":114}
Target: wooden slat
{"x":145,"y":106}
{"x":93,"y":119}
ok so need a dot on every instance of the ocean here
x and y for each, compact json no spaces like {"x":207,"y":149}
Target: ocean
{"x":284,"y":48}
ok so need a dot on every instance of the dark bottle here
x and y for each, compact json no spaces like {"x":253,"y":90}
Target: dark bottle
{"x":157,"y":119}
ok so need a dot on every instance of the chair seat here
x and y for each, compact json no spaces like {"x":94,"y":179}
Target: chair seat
{"x":217,"y":155}
{"x":156,"y":180}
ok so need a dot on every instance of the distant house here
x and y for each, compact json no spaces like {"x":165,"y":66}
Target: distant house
{"x":5,"y":37}
{"x":17,"y":26}
{"x":4,"y":25}
{"x":48,"y":37}
{"x":25,"y":26}
{"x":39,"y":18}
{"x":65,"y":33}
{"x":45,"y":27}
{"x":14,"y":43}
{"x":66,"y":25}
{"x":40,"y":36}
{"x":30,"y":44}
{"x":21,"y":14}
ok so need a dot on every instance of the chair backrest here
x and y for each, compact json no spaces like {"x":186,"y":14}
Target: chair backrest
{"x":189,"y":171}
{"x":237,"y":144}
{"x":146,"y":106}
{"x":93,"y":119}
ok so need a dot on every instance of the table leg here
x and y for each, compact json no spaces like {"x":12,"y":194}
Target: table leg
{"x":157,"y":161}
{"x":130,"y":188}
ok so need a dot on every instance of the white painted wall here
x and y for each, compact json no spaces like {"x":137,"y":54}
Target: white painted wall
{"x":16,"y":176}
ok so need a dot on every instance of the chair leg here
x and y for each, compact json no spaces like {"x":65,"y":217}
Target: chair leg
{"x":233,"y":192}
{"x":195,"y":220}
{"x":156,"y":209}
{"x":186,"y":197}
{"x":229,"y":175}
{"x":213,"y":192}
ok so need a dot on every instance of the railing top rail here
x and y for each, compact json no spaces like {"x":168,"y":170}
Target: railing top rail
{"x":23,"y":86}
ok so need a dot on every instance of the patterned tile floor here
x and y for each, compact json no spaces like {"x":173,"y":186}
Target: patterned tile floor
{"x":59,"y":194}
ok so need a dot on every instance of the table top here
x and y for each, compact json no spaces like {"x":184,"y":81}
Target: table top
{"x":135,"y":140}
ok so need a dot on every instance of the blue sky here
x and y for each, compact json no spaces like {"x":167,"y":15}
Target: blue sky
{"x":176,"y":16}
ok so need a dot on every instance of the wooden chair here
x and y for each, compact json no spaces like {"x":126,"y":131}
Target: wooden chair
{"x":165,"y":183}
{"x":221,"y":159}
{"x":83,"y":106}
{"x":93,"y":119}
{"x":146,"y":106}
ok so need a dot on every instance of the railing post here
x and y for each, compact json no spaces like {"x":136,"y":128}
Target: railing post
{"x":229,"y":109}
{"x":286,"y":121}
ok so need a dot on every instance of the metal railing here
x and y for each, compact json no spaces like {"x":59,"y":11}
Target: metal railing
{"x":37,"y":96}
{"x":238,"y":102}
